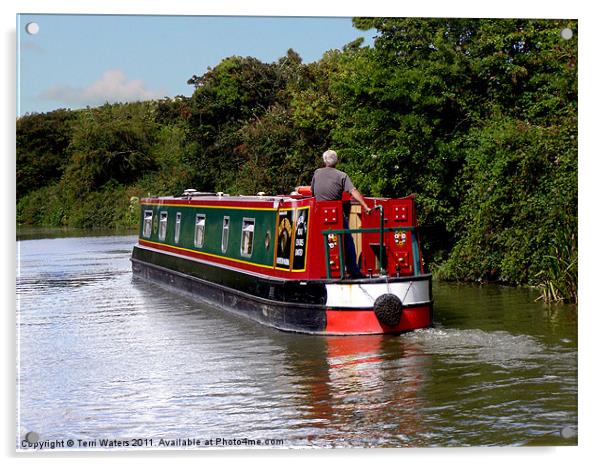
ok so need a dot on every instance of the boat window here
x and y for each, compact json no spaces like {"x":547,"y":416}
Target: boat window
{"x":148,"y":223}
{"x":246,"y":243}
{"x":199,"y":232}
{"x":176,"y":236}
{"x":225,"y":233}
{"x":162,"y":226}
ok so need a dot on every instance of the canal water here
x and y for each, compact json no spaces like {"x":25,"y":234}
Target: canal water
{"x":104,"y":355}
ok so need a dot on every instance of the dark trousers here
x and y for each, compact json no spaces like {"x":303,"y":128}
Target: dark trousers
{"x":350,"y":257}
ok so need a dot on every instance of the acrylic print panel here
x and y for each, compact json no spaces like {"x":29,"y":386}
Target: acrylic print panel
{"x":113,"y":108}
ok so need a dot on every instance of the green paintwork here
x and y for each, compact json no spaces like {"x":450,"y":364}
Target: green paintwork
{"x":265,"y":221}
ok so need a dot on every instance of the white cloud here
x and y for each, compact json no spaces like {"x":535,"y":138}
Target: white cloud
{"x":32,"y":47}
{"x":113,"y":86}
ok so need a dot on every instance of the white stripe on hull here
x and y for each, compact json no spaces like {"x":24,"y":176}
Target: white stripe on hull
{"x":351,"y":295}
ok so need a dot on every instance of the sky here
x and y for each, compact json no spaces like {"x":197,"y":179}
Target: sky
{"x":73,"y":61}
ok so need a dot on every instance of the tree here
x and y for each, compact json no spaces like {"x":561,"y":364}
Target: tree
{"x":480,"y":118}
{"x":111,"y":143}
{"x":42,"y":141}
{"x":237,"y":92}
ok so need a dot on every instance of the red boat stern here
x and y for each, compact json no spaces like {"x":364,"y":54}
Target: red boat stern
{"x":379,"y":307}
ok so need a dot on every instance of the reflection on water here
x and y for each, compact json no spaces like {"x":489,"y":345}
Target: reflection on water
{"x":25,"y":232}
{"x":106,"y":355}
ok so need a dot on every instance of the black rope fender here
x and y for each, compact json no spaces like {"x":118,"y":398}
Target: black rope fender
{"x":388,"y":308}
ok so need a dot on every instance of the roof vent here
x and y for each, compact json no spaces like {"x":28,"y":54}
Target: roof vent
{"x":193,"y":192}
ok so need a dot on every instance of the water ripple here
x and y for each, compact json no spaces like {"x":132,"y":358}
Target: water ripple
{"x":105,"y":355}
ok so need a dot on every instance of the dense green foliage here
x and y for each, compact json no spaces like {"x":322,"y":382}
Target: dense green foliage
{"x":42,"y":140}
{"x":477,"y":118}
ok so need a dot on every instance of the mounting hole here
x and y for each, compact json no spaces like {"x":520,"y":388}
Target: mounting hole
{"x":568,"y":432}
{"x":566,"y":33}
{"x":32,"y":437}
{"x":32,"y":28}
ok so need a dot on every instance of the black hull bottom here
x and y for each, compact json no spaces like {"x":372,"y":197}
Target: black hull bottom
{"x":291,"y":317}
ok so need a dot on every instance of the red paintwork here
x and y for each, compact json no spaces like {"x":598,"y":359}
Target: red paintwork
{"x":397,"y":213}
{"x":365,"y":321}
{"x":208,"y":258}
{"x":250,"y":202}
{"x":304,"y":190}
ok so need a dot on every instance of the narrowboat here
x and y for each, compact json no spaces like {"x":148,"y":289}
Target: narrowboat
{"x":280,"y":260}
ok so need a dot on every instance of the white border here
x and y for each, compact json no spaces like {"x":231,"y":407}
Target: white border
{"x":589,"y":186}
{"x":434,"y":8}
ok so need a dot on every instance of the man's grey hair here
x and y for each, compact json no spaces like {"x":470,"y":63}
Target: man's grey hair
{"x":330,"y":158}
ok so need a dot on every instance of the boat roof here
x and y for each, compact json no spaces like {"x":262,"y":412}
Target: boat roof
{"x":226,"y":197}
{"x":193,"y":195}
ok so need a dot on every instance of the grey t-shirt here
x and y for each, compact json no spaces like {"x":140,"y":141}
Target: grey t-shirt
{"x":329,"y":183}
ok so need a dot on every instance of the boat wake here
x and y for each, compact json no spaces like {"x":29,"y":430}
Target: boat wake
{"x":499,"y":348}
